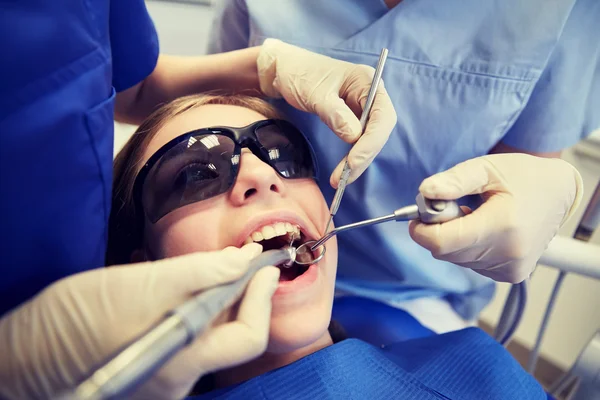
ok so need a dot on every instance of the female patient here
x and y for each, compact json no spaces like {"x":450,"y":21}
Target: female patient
{"x":182,"y":187}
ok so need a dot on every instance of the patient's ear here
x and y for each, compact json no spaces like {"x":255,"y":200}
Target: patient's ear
{"x":138,"y":256}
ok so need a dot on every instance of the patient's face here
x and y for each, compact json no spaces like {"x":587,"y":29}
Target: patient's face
{"x":260,"y":205}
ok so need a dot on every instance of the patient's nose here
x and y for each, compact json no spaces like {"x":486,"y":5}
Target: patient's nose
{"x":256,"y":180}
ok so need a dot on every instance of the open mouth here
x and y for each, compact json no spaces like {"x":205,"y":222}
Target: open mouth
{"x":279,"y":235}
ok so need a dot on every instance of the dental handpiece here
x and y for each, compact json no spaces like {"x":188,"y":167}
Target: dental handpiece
{"x":337,"y":198}
{"x":138,"y":361}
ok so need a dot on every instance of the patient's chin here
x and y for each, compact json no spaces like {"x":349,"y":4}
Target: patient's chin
{"x":293,"y":332}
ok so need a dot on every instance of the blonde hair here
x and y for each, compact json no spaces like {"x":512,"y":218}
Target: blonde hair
{"x":125,"y":228}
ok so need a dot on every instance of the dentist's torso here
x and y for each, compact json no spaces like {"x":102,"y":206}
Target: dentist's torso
{"x":460,"y":76}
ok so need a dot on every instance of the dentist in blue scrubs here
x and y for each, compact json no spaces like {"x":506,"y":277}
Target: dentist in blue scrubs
{"x":468,"y":80}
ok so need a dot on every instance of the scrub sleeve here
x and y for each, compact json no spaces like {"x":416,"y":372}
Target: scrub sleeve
{"x":67,"y":60}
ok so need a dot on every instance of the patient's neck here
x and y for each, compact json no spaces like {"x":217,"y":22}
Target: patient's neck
{"x":268,"y":362}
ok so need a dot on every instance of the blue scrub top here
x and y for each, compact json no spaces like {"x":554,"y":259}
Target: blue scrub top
{"x":462,"y":365}
{"x":463,"y":76}
{"x":62,"y":62}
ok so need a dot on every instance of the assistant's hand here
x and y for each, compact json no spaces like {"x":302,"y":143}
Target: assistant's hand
{"x":54,"y":341}
{"x":527,"y":199}
{"x":336,"y":91}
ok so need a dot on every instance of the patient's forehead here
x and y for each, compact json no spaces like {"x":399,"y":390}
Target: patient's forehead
{"x":202,"y":117}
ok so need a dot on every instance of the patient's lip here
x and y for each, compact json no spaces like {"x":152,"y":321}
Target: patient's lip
{"x":302,"y":282}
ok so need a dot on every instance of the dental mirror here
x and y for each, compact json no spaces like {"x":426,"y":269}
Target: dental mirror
{"x":305,"y":255}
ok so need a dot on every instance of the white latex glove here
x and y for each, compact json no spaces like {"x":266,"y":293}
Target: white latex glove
{"x":527,"y":199}
{"x":54,"y":341}
{"x":336,"y":91}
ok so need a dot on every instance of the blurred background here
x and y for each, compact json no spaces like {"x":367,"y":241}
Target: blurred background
{"x":184,"y":26}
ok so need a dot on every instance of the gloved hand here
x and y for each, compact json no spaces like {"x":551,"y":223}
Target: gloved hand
{"x":336,"y":91}
{"x":527,"y":199}
{"x":54,"y":341}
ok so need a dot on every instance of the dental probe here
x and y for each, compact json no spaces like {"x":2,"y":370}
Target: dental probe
{"x":337,"y":198}
{"x":428,"y":211}
{"x":138,"y":361}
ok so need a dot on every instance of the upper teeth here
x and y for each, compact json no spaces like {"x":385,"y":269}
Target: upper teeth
{"x":271,"y":231}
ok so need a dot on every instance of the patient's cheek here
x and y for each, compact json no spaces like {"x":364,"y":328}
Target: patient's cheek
{"x":185,"y":236}
{"x":310,"y":198}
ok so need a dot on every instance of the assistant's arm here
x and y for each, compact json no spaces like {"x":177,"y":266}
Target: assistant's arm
{"x":176,"y":76}
{"x":230,"y":67}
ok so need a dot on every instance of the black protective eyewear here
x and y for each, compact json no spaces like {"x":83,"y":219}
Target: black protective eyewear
{"x":204,"y":163}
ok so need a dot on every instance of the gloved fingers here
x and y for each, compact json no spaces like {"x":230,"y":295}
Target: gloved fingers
{"x":266,"y":63}
{"x":501,"y":260}
{"x":441,"y":239}
{"x":356,"y":87}
{"x":491,"y":261}
{"x":198,"y":271}
{"x":576,"y":194}
{"x":449,"y":237}
{"x":489,"y":274}
{"x":246,"y":338}
{"x":475,"y":229}
{"x":499,"y":247}
{"x":336,"y":114}
{"x":475,"y":257}
{"x":334,"y":179}
{"x":509,"y":272}
{"x":474,"y":176}
{"x":380,"y":125}
{"x":271,"y":59}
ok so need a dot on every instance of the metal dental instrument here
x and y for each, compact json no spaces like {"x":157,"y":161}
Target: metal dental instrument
{"x":337,"y":198}
{"x":131,"y":366}
{"x":428,"y":211}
